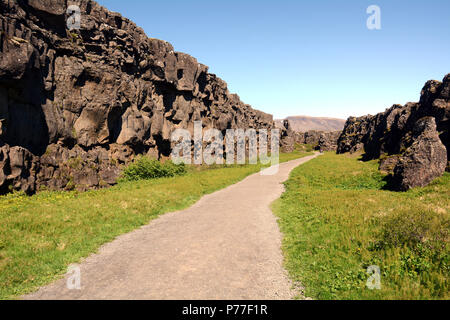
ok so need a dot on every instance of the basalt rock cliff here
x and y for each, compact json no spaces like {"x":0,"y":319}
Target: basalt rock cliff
{"x":320,"y":140}
{"x":77,"y":105}
{"x":412,"y":141}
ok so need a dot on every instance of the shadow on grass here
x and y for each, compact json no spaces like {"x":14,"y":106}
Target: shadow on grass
{"x":391,"y":184}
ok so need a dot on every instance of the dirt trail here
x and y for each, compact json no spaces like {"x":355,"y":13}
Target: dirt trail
{"x":226,"y":246}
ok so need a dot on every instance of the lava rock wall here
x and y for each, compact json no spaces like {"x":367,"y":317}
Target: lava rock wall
{"x":77,"y":105}
{"x":412,"y":141}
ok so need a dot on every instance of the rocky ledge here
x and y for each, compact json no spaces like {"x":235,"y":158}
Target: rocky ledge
{"x":77,"y":105}
{"x":411,"y":141}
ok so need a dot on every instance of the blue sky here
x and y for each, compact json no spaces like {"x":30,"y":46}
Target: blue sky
{"x":312,"y":58}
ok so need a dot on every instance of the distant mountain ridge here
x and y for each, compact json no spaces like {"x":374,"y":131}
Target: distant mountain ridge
{"x":305,"y":123}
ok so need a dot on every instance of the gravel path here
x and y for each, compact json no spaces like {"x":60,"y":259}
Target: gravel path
{"x":226,"y":246}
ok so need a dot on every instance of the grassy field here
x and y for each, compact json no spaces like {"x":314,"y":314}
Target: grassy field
{"x":41,"y":235}
{"x":337,"y":220}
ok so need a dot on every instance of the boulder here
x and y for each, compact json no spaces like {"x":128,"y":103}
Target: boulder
{"x":424,"y":161}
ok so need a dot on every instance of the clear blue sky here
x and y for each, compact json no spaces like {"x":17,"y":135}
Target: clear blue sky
{"x":312,"y":58}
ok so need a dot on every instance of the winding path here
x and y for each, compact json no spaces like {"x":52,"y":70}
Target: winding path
{"x":226,"y":246}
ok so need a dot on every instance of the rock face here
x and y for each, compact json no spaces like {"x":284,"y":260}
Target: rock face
{"x":354,"y":135}
{"x":323,"y":141}
{"x":288,"y":137}
{"x":76,"y":105}
{"x":412,"y":140}
{"x":328,"y":141}
{"x":424,"y":160}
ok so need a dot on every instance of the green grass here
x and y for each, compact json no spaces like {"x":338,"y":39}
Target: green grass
{"x":337,"y":220}
{"x":41,"y":235}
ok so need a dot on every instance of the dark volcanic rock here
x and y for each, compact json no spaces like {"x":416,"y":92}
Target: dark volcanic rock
{"x":388,"y":164}
{"x":310,"y":137}
{"x":76,"y":105}
{"x":328,"y":141}
{"x":393,"y":136}
{"x":354,"y":135}
{"x":424,"y":160}
{"x":17,"y":168}
{"x":320,"y":140}
{"x":288,"y":137}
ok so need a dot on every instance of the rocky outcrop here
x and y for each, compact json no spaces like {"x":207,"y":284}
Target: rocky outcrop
{"x":424,"y":160}
{"x":412,"y":141}
{"x":76,"y":105}
{"x":328,"y":141}
{"x":287,"y":137}
{"x":354,"y":135}
{"x":320,"y":140}
{"x":309,"y":137}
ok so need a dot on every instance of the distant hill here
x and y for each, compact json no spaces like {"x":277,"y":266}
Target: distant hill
{"x":305,"y":123}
